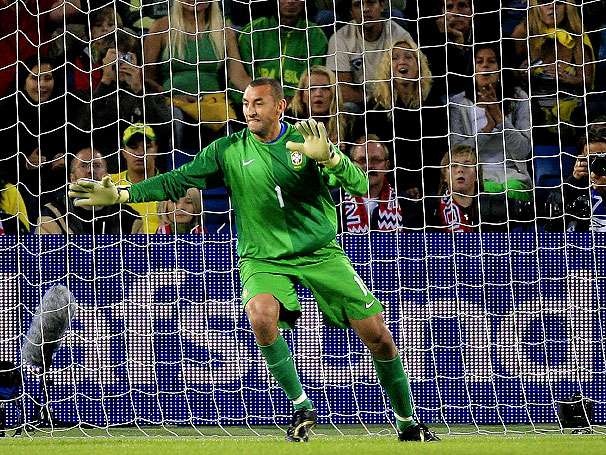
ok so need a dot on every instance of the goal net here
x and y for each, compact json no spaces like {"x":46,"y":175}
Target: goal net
{"x":494,"y":297}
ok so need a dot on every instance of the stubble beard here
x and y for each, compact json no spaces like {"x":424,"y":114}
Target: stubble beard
{"x":258,"y":128}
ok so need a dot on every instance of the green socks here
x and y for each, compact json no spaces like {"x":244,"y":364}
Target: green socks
{"x":393,"y":379}
{"x":390,"y":373}
{"x":282,"y":368}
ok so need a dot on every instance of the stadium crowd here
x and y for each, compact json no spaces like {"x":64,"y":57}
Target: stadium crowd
{"x":467,"y":115}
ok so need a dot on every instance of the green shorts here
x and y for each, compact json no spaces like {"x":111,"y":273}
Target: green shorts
{"x":327,"y":273}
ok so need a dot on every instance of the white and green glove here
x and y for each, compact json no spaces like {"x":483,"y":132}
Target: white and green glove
{"x":316,"y":145}
{"x":87,"y":192}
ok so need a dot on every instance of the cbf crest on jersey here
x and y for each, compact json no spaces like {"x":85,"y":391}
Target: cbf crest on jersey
{"x":296,"y":158}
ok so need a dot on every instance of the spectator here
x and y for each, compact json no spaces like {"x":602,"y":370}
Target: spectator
{"x":37,"y":132}
{"x":141,"y":14}
{"x":405,"y":111}
{"x":446,"y":38}
{"x":359,"y":47}
{"x":499,"y":123}
{"x":116,"y":109}
{"x":554,"y":32}
{"x":283,"y":46}
{"x":596,"y":101}
{"x":13,"y":214}
{"x":84,"y":70}
{"x":488,"y":19}
{"x":242,"y":13}
{"x":317,"y":97}
{"x":139,"y":152}
{"x":460,"y":185}
{"x":188,"y":64}
{"x":512,"y":14}
{"x":63,"y":217}
{"x":379,"y":210}
{"x":182,"y":217}
{"x":32,"y":21}
{"x":585,"y":190}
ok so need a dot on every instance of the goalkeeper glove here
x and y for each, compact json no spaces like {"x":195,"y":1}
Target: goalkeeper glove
{"x":316,"y":145}
{"x":87,"y":192}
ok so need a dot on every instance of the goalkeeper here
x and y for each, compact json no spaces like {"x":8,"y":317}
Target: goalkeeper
{"x":279,"y":177}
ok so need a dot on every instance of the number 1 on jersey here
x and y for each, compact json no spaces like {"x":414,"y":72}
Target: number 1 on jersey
{"x":279,"y":194}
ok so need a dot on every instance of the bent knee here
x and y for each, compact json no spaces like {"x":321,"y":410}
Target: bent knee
{"x":263,"y":309}
{"x":381,"y":344}
{"x":380,"y":339}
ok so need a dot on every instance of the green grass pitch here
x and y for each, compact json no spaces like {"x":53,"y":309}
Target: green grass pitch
{"x":269,"y":441}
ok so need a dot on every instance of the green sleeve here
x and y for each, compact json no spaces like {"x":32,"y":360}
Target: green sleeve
{"x":319,"y":47}
{"x":174,"y":184}
{"x":321,"y":61}
{"x":347,"y":175}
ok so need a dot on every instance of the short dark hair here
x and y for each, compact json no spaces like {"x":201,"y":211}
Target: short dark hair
{"x":276,"y":88}
{"x":440,"y":6}
{"x":596,"y":132}
{"x":72,"y":158}
{"x":26,"y":69}
{"x":372,"y":138}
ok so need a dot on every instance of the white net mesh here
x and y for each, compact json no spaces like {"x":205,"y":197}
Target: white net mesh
{"x":470,"y":119}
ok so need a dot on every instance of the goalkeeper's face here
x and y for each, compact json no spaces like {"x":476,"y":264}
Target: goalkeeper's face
{"x":262,"y":110}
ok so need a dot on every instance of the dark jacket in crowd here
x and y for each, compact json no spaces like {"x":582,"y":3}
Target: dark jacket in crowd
{"x":58,"y":218}
{"x":56,"y":127}
{"x":411,"y":154}
{"x":451,"y":65}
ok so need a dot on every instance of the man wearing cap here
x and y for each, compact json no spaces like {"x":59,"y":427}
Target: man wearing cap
{"x":139,"y":152}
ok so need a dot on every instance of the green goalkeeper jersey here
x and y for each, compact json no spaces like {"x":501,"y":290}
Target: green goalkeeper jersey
{"x":281,"y":199}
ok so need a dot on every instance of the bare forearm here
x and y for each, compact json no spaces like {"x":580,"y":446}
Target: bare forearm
{"x":238,"y":75}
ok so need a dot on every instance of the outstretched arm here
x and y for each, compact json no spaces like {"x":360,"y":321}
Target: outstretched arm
{"x":347,"y":175}
{"x":171,"y":185}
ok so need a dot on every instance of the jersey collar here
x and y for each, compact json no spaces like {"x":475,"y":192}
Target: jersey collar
{"x":283,"y":130}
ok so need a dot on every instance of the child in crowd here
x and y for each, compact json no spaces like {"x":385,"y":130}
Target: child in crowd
{"x":182,"y":217}
{"x":458,"y":209}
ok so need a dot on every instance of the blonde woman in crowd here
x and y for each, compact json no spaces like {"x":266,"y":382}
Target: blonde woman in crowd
{"x":182,"y":217}
{"x":319,"y":97}
{"x":555,"y":33}
{"x":185,"y":50}
{"x":185,"y":54}
{"x":404,"y":112}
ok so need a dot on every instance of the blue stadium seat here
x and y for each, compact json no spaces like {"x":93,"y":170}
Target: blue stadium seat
{"x":217,"y":213}
{"x":551,"y":164}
